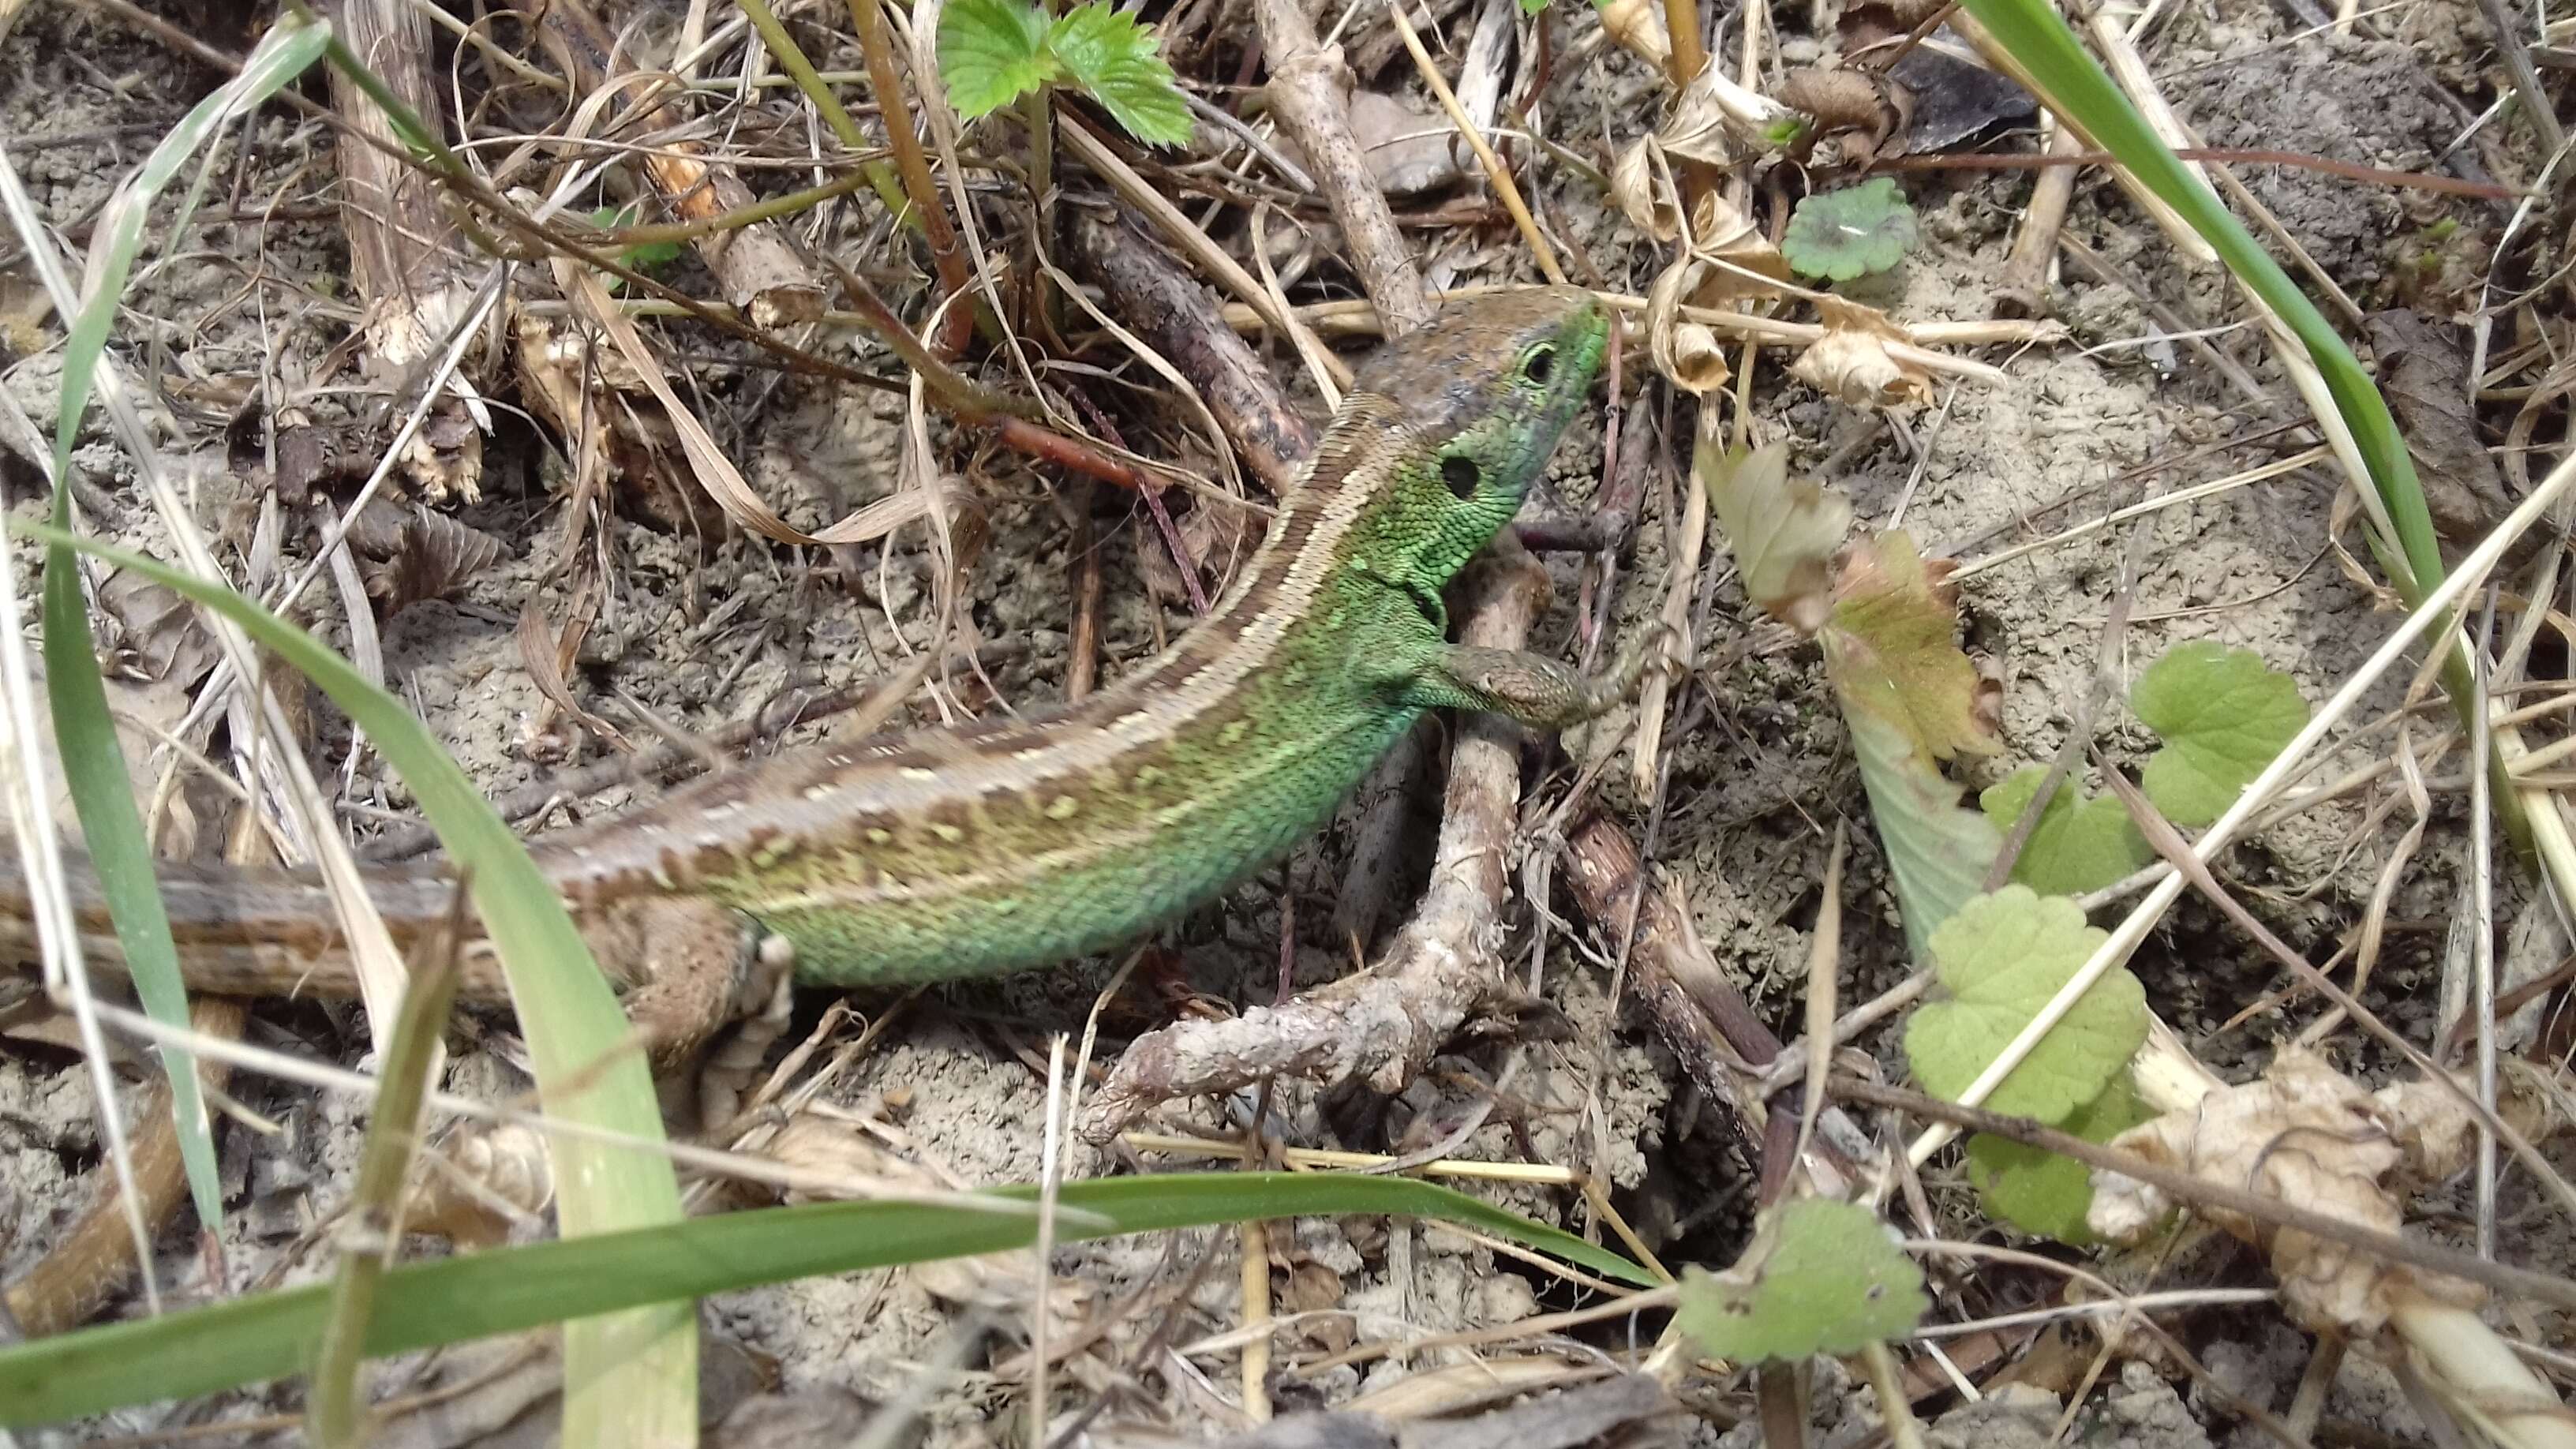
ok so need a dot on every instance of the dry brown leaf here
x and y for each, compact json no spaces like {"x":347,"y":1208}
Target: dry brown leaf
{"x":1863,"y":110}
{"x":1888,"y":17}
{"x":2423,"y":371}
{"x":1407,"y":151}
{"x":484,"y":1184}
{"x":1853,"y":361}
{"x":1721,"y":123}
{"x":1690,"y":354}
{"x":431,"y":556}
{"x":1643,"y":190}
{"x":1892,"y":653}
{"x":2309,"y":1136}
{"x":1727,"y":259}
{"x":1637,"y":26}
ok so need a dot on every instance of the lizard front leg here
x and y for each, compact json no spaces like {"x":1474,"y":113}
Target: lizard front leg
{"x":1538,"y":692}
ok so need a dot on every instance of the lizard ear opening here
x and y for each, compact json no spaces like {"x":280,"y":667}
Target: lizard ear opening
{"x":1461,"y":474}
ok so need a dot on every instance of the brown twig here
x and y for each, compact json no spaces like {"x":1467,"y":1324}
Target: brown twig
{"x":1308,"y":91}
{"x":2022,"y":290}
{"x":761,"y":270}
{"x":868,"y":17}
{"x":2227,"y":1197}
{"x":1701,"y":1015}
{"x":1171,"y":311}
{"x":1383,"y":1025}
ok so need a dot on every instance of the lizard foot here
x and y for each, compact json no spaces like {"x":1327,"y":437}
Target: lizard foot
{"x":763,"y":1006}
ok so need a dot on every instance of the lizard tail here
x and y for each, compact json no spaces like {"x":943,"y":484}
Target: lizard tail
{"x":243,"y":932}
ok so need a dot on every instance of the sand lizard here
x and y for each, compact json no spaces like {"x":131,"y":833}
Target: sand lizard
{"x":948,"y":853}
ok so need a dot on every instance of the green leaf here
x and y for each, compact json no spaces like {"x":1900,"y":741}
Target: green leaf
{"x":992,"y":52}
{"x":1533,"y":7}
{"x":1889,"y":649}
{"x":1851,"y":232}
{"x":643,"y":256}
{"x":1909,"y":696}
{"x":506,"y":1290}
{"x":2001,"y":958}
{"x":1115,"y":59}
{"x":2224,"y":715}
{"x":1820,"y":1277}
{"x":1783,"y":532}
{"x":1938,"y":851}
{"x":2040,"y":1192}
{"x":2080,"y":844}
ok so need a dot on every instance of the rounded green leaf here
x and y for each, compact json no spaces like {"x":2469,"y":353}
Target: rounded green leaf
{"x":1820,"y":1277}
{"x":2002,"y":957}
{"x":2224,"y":714}
{"x":2040,"y":1192}
{"x":2081,"y":843}
{"x":1851,"y":232}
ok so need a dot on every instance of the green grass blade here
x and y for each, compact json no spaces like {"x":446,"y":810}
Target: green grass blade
{"x":643,"y":1364}
{"x":94,"y":764}
{"x":285,"y":52}
{"x":2075,"y":85}
{"x":103,"y":796}
{"x":509,"y":1289}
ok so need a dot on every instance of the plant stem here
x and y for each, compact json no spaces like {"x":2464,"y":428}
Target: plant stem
{"x":1681,"y":27}
{"x":791,"y":58}
{"x":1037,"y":108}
{"x":868,"y":17}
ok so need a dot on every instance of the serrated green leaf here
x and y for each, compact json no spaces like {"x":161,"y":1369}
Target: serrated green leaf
{"x":2080,"y":844}
{"x":1115,"y":59}
{"x":992,"y":52}
{"x":2040,"y":1192}
{"x":1851,"y":232}
{"x":2001,"y":957}
{"x":1820,"y":1277}
{"x":1533,"y":7}
{"x":2224,"y":714}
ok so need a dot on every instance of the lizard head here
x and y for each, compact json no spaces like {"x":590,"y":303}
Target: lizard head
{"x":1480,"y":394}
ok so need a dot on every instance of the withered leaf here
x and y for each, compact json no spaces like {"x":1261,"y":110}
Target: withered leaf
{"x":432,"y":556}
{"x":2307,"y":1135}
{"x":1864,"y":109}
{"x":1891,"y":652}
{"x":1783,"y":532}
{"x":2423,"y":371}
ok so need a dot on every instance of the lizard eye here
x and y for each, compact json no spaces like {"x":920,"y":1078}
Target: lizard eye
{"x":1540,"y":363}
{"x":1461,"y":474}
